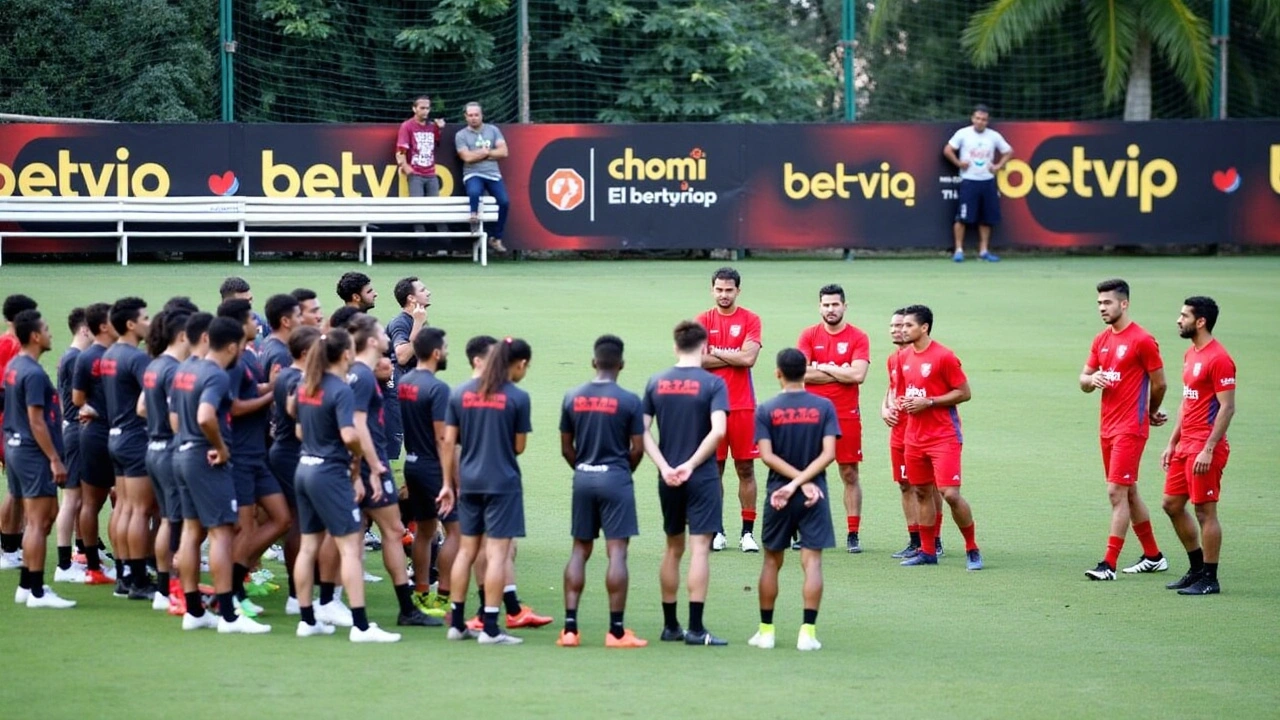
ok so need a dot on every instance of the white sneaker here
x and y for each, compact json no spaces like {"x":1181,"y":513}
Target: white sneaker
{"x":20,"y":596}
{"x":371,"y":578}
{"x":73,"y":574}
{"x":204,"y":563}
{"x":456,"y":634}
{"x":1147,"y":565}
{"x":719,"y":542}
{"x":374,"y":634}
{"x":275,"y":552}
{"x":207,"y":621}
{"x":500,"y":639}
{"x":242,"y":625}
{"x":160,"y":602}
{"x":49,"y":600}
{"x":11,"y":561}
{"x":763,"y":640}
{"x":334,"y":613}
{"x":807,"y":641}
{"x":109,"y":570}
{"x":291,"y":607}
{"x":305,"y":630}
{"x":748,"y":543}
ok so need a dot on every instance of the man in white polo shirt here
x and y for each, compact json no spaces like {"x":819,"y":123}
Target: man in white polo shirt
{"x":979,"y":152}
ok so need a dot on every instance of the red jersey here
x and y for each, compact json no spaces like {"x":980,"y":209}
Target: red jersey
{"x":1127,"y":358}
{"x":841,"y":349}
{"x":930,"y":373}
{"x":419,"y":142}
{"x":1205,"y":373}
{"x":897,"y":433}
{"x":730,"y":332}
{"x":9,"y":349}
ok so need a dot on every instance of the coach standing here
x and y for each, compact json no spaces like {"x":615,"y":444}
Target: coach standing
{"x":480,"y":147}
{"x":979,"y":152}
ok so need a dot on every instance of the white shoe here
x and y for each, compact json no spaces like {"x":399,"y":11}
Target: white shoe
{"x":207,"y":621}
{"x":160,"y":602}
{"x":334,"y":613}
{"x":1146,"y":565}
{"x":49,"y":600}
{"x":748,"y":543}
{"x":807,"y":641}
{"x":763,"y":640}
{"x":719,"y":542}
{"x":275,"y":552}
{"x":20,"y":596}
{"x":11,"y":561}
{"x":291,"y":607}
{"x":73,"y":574}
{"x":109,"y":570}
{"x":456,"y":634}
{"x":305,"y":630}
{"x":374,"y":634}
{"x":204,"y":563}
{"x":371,"y":578}
{"x":243,"y":625}
{"x":500,"y":639}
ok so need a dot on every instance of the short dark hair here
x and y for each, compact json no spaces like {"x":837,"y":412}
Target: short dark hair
{"x":97,"y":315}
{"x":403,"y":289}
{"x":351,"y":283}
{"x":198,"y":325}
{"x":832,"y":289}
{"x":689,"y":335}
{"x":1115,"y":285}
{"x":428,"y":340}
{"x":421,"y":97}
{"x":237,"y":309}
{"x":608,"y":352}
{"x":900,"y":311}
{"x":1203,"y":308}
{"x":301,"y":339}
{"x":922,"y":314}
{"x":224,"y":331}
{"x":727,"y":273}
{"x":232,"y":286}
{"x":26,"y":324}
{"x":15,"y":304}
{"x":981,"y":108}
{"x":477,"y":346}
{"x":75,"y":320}
{"x":303,"y":294}
{"x":792,"y":363}
{"x":124,"y":310}
{"x":277,"y":307}
{"x":181,"y":303}
{"x":342,"y":316}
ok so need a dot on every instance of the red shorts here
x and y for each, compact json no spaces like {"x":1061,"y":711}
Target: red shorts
{"x":938,"y":464}
{"x":898,"y":463}
{"x":849,"y":444}
{"x":1181,"y":479}
{"x":740,"y":437}
{"x":1121,"y":455}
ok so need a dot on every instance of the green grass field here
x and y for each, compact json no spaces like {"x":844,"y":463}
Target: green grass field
{"x":1027,"y":637}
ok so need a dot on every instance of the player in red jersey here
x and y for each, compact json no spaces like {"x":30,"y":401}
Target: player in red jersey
{"x":1124,"y":362}
{"x":1198,"y":450}
{"x":11,"y":519}
{"x":838,"y":355}
{"x":898,"y":443}
{"x":733,"y":344}
{"x":932,"y":385}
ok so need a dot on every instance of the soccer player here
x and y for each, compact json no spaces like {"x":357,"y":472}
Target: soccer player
{"x":1124,"y":362}
{"x":488,"y":418}
{"x":329,"y":485}
{"x":33,"y":463}
{"x":237,"y":288}
{"x":414,"y":299}
{"x":69,"y":512}
{"x":932,"y":385}
{"x":312,"y":313}
{"x":1198,"y":449}
{"x":838,"y":355}
{"x":89,"y":395}
{"x":690,"y":406}
{"x":602,"y":439}
{"x":897,"y":436}
{"x":798,"y":437}
{"x":733,"y":344}
{"x":284,"y":315}
{"x":11,"y":508}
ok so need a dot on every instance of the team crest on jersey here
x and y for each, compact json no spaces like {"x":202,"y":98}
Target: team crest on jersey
{"x":925,"y":369}
{"x":735,"y":330}
{"x":842,"y":347}
{"x":1120,"y":351}
{"x":1196,"y":370}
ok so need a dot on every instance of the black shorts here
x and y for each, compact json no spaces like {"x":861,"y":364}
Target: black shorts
{"x":208,"y":491}
{"x":495,"y":515}
{"x":326,"y":501}
{"x":253,"y":479}
{"x":163,"y":479}
{"x":128,"y":450}
{"x":813,"y":523}
{"x":95,"y":459}
{"x":423,"y":485}
{"x":605,"y":501}
{"x":283,"y":460}
{"x":71,"y":454}
{"x":28,"y":472}
{"x":979,"y":203}
{"x":389,"y":494}
{"x":695,"y":504}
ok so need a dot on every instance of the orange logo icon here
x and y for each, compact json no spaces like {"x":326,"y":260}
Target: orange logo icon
{"x":565,"y":189}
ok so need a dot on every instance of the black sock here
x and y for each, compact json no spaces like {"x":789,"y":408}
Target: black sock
{"x":24,"y":578}
{"x":360,"y":618}
{"x":571,"y":620}
{"x":326,"y":593}
{"x":138,"y":573}
{"x":9,"y":542}
{"x":511,"y":602}
{"x":162,"y":582}
{"x":119,"y":567}
{"x":64,"y":557}
{"x":152,"y":564}
{"x":226,"y":608}
{"x":669,"y":616}
{"x":491,"y":622}
{"x":195,"y":604}
{"x":404,"y":594}
{"x":79,"y":546}
{"x":175,"y":540}
{"x":238,"y":572}
{"x":92,"y":560}
{"x":36,"y":580}
{"x":766,"y":616}
{"x":810,"y":616}
{"x":458,"y":615}
{"x":1210,"y":572}
{"x":615,"y":624}
{"x":695,"y":617}
{"x":480,"y":610}
{"x":293,"y":589}
{"x":308,"y":614}
{"x":915,"y":539}
{"x":748,"y":526}
{"x":1197,"y":559}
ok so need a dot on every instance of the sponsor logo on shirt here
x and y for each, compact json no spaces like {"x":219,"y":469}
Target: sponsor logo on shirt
{"x":606,"y":405}
{"x":149,"y":380}
{"x":1225,"y":382}
{"x":795,"y":416}
{"x":306,"y":398}
{"x":1190,"y":394}
{"x":1112,"y":375}
{"x":679,"y":387}
{"x":184,"y":381}
{"x":105,"y":367}
{"x":407,"y":392}
{"x":583,"y":467}
{"x":474,"y":400}
{"x":915,"y":392}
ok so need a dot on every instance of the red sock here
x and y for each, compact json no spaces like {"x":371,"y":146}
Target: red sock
{"x":1114,"y":546}
{"x":749,"y":515}
{"x":927,"y":537}
{"x":967,"y":532}
{"x":913,"y":528}
{"x":1148,"y":539}
{"x":854,"y":521}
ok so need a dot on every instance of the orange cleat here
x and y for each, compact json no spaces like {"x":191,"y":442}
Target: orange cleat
{"x":527,"y":618}
{"x":628,"y":640}
{"x":97,"y":577}
{"x":476,"y":624}
{"x":568,"y":639}
{"x":177,"y":604}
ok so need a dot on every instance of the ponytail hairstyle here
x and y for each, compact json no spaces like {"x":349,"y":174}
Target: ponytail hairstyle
{"x":327,"y":350}
{"x":497,"y":365}
{"x":302,"y":339}
{"x":165,"y":327}
{"x":363,"y":329}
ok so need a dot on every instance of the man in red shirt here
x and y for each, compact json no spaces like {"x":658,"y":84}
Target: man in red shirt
{"x":1198,"y":450}
{"x":733,"y":343}
{"x":416,"y":145}
{"x":838,"y":355}
{"x":1124,"y":362}
{"x":932,"y":385}
{"x":11,"y":518}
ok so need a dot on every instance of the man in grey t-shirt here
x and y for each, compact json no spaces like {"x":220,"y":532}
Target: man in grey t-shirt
{"x":480,"y":147}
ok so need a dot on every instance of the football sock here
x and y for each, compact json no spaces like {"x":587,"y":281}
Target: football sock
{"x":308,"y":614}
{"x":24,"y":578}
{"x":10,"y":542}
{"x":615,"y":624}
{"x":1197,"y":559}
{"x":669,"y":616}
{"x":326,"y":593}
{"x":360,"y":618}
{"x":967,"y":532}
{"x":92,"y":560}
{"x":64,"y":557}
{"x":404,"y":595}
{"x":480,"y":612}
{"x":195,"y":604}
{"x":914,"y":536}
{"x":1210,"y":571}
{"x":853,"y":521}
{"x":748,"y":521}
{"x":571,"y":620}
{"x":457,"y":616}
{"x":138,"y":573}
{"x":79,"y":545}
{"x":35,"y":580}
{"x":293,"y":589}
{"x":766,"y":616}
{"x":1150,"y":548}
{"x":695,"y":617}
{"x":175,"y":540}
{"x":491,"y":621}
{"x":1114,"y":545}
{"x":119,"y":567}
{"x":927,"y":544}
{"x":162,"y":582}
{"x":226,"y":608}
{"x":810,"y":616}
{"x":510,"y":601}
{"x":238,"y":574}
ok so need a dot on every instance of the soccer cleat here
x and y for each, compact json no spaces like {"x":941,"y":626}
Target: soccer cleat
{"x":851,"y":543}
{"x":568,"y":639}
{"x":160,"y":601}
{"x":937,"y":545}
{"x":1185,"y":581}
{"x":1204,"y":585}
{"x":765,"y":639}
{"x":177,"y":604}
{"x":175,"y":586}
{"x":431,"y":604}
{"x":334,"y":613}
{"x":748,"y":543}
{"x":456,"y":634}
{"x":11,"y":561}
{"x":958,"y":256}
{"x":247,"y":608}
{"x":416,"y":618}
{"x":291,"y":607}
{"x":371,"y":542}
{"x":527,"y":618}
{"x":146,"y":592}
{"x":628,"y":640}
{"x":20,"y":596}
{"x":920,"y":558}
{"x":675,"y":634}
{"x":51,"y":600}
{"x":1102,"y":572}
{"x":974,"y":560}
{"x":719,"y":542}
{"x":1147,"y":565}
{"x":795,"y":543}
{"x":909,"y":551}
{"x":305,"y":630}
{"x":500,"y":639}
{"x":371,"y":578}
{"x":205,"y":621}
{"x":242,"y":625}
{"x":275,"y":552}
{"x":704,"y":638}
{"x":808,"y":639}
{"x":73,"y":574}
{"x":121,"y":590}
{"x":989,"y":257}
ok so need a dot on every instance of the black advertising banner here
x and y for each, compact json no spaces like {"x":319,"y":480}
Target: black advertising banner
{"x":715,"y":186}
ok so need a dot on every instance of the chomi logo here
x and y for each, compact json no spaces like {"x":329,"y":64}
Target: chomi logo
{"x":686,"y":170}
{"x":565,"y":189}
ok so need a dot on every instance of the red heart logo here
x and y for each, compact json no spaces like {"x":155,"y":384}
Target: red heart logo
{"x":1227,"y":181}
{"x":220,"y":184}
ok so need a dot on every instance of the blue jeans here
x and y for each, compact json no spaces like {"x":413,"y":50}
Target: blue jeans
{"x":477,"y":186}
